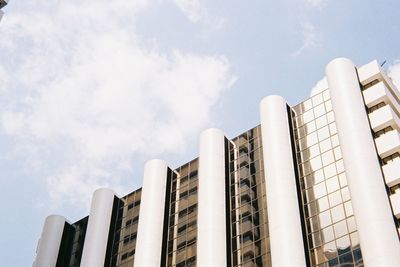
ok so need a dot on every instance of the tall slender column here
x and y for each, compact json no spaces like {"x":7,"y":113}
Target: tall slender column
{"x":286,"y":238}
{"x":378,"y":238}
{"x":151,"y":216}
{"x":96,"y":239}
{"x":50,"y":241}
{"x":211,"y":220}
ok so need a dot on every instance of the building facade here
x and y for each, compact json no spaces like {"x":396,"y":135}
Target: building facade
{"x":315,"y":184}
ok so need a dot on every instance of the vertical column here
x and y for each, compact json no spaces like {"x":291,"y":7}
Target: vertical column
{"x":96,"y":239}
{"x":286,"y":237}
{"x":151,"y":215}
{"x":211,"y":220}
{"x":378,"y":238}
{"x":50,"y":241}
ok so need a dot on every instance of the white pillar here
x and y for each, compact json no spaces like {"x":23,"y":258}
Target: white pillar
{"x":286,"y":237}
{"x":211,"y":218}
{"x":378,"y":237}
{"x":151,"y":214}
{"x":50,"y":241}
{"x":95,"y":246}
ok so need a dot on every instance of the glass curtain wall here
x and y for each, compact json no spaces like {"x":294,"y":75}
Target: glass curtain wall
{"x":124,"y":242}
{"x":182,"y":233}
{"x":332,"y":237}
{"x":249,"y":225}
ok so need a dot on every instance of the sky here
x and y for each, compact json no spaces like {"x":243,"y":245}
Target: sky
{"x":92,"y":89}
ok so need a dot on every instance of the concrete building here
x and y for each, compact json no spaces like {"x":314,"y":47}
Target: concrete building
{"x":315,"y":184}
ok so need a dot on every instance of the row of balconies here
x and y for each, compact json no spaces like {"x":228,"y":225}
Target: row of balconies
{"x":385,"y":120}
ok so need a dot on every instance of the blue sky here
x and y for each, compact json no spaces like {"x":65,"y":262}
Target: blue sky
{"x":91,"y":89}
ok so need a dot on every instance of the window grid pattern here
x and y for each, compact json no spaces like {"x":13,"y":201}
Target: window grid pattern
{"x":182,"y":232}
{"x":328,"y":214}
{"x":249,"y":227}
{"x":78,"y":237}
{"x":123,"y":249}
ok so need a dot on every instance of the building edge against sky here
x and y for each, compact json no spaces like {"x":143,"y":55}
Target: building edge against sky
{"x":316,"y":184}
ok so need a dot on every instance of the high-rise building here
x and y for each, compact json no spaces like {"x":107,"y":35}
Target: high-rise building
{"x":315,"y":184}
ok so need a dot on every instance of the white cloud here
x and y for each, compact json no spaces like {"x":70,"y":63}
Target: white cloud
{"x":319,"y":87}
{"x":196,"y":12}
{"x":310,"y":37}
{"x":192,"y":8}
{"x":82,"y":96}
{"x":394,"y":73}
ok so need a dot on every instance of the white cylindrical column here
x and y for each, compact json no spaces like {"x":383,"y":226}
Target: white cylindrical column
{"x":378,"y":237}
{"x":151,"y":215}
{"x":286,"y":237}
{"x":50,"y":241}
{"x":211,"y":218}
{"x":95,"y":246}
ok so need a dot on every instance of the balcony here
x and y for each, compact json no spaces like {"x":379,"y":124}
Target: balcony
{"x":395,"y":199}
{"x":391,"y":172}
{"x":379,"y":93}
{"x":369,"y":72}
{"x":246,"y":210}
{"x":384,"y":117}
{"x":247,"y":226}
{"x":388,"y":143}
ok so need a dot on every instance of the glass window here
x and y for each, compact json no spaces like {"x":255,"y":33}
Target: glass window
{"x":332,"y":184}
{"x":351,"y":222}
{"x":319,"y":110}
{"x":348,"y":208}
{"x":325,"y":219}
{"x":317,"y":99}
{"x":330,"y":117}
{"x":323,"y":203}
{"x":325,"y":145}
{"x":323,"y":133}
{"x":327,"y":234}
{"x":327,"y":158}
{"x":343,"y":244}
{"x":316,"y":163}
{"x":335,"y":198}
{"x":340,"y":229}
{"x":321,"y":122}
{"x":308,"y":116}
{"x":330,"y":170}
{"x":342,"y":179}
{"x":328,"y":105}
{"x":337,"y":213}
{"x":326,"y":95}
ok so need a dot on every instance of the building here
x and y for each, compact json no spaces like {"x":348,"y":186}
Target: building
{"x":315,"y":184}
{"x":3,"y":3}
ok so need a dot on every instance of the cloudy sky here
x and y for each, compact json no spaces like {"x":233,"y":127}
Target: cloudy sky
{"x":91,"y":89}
